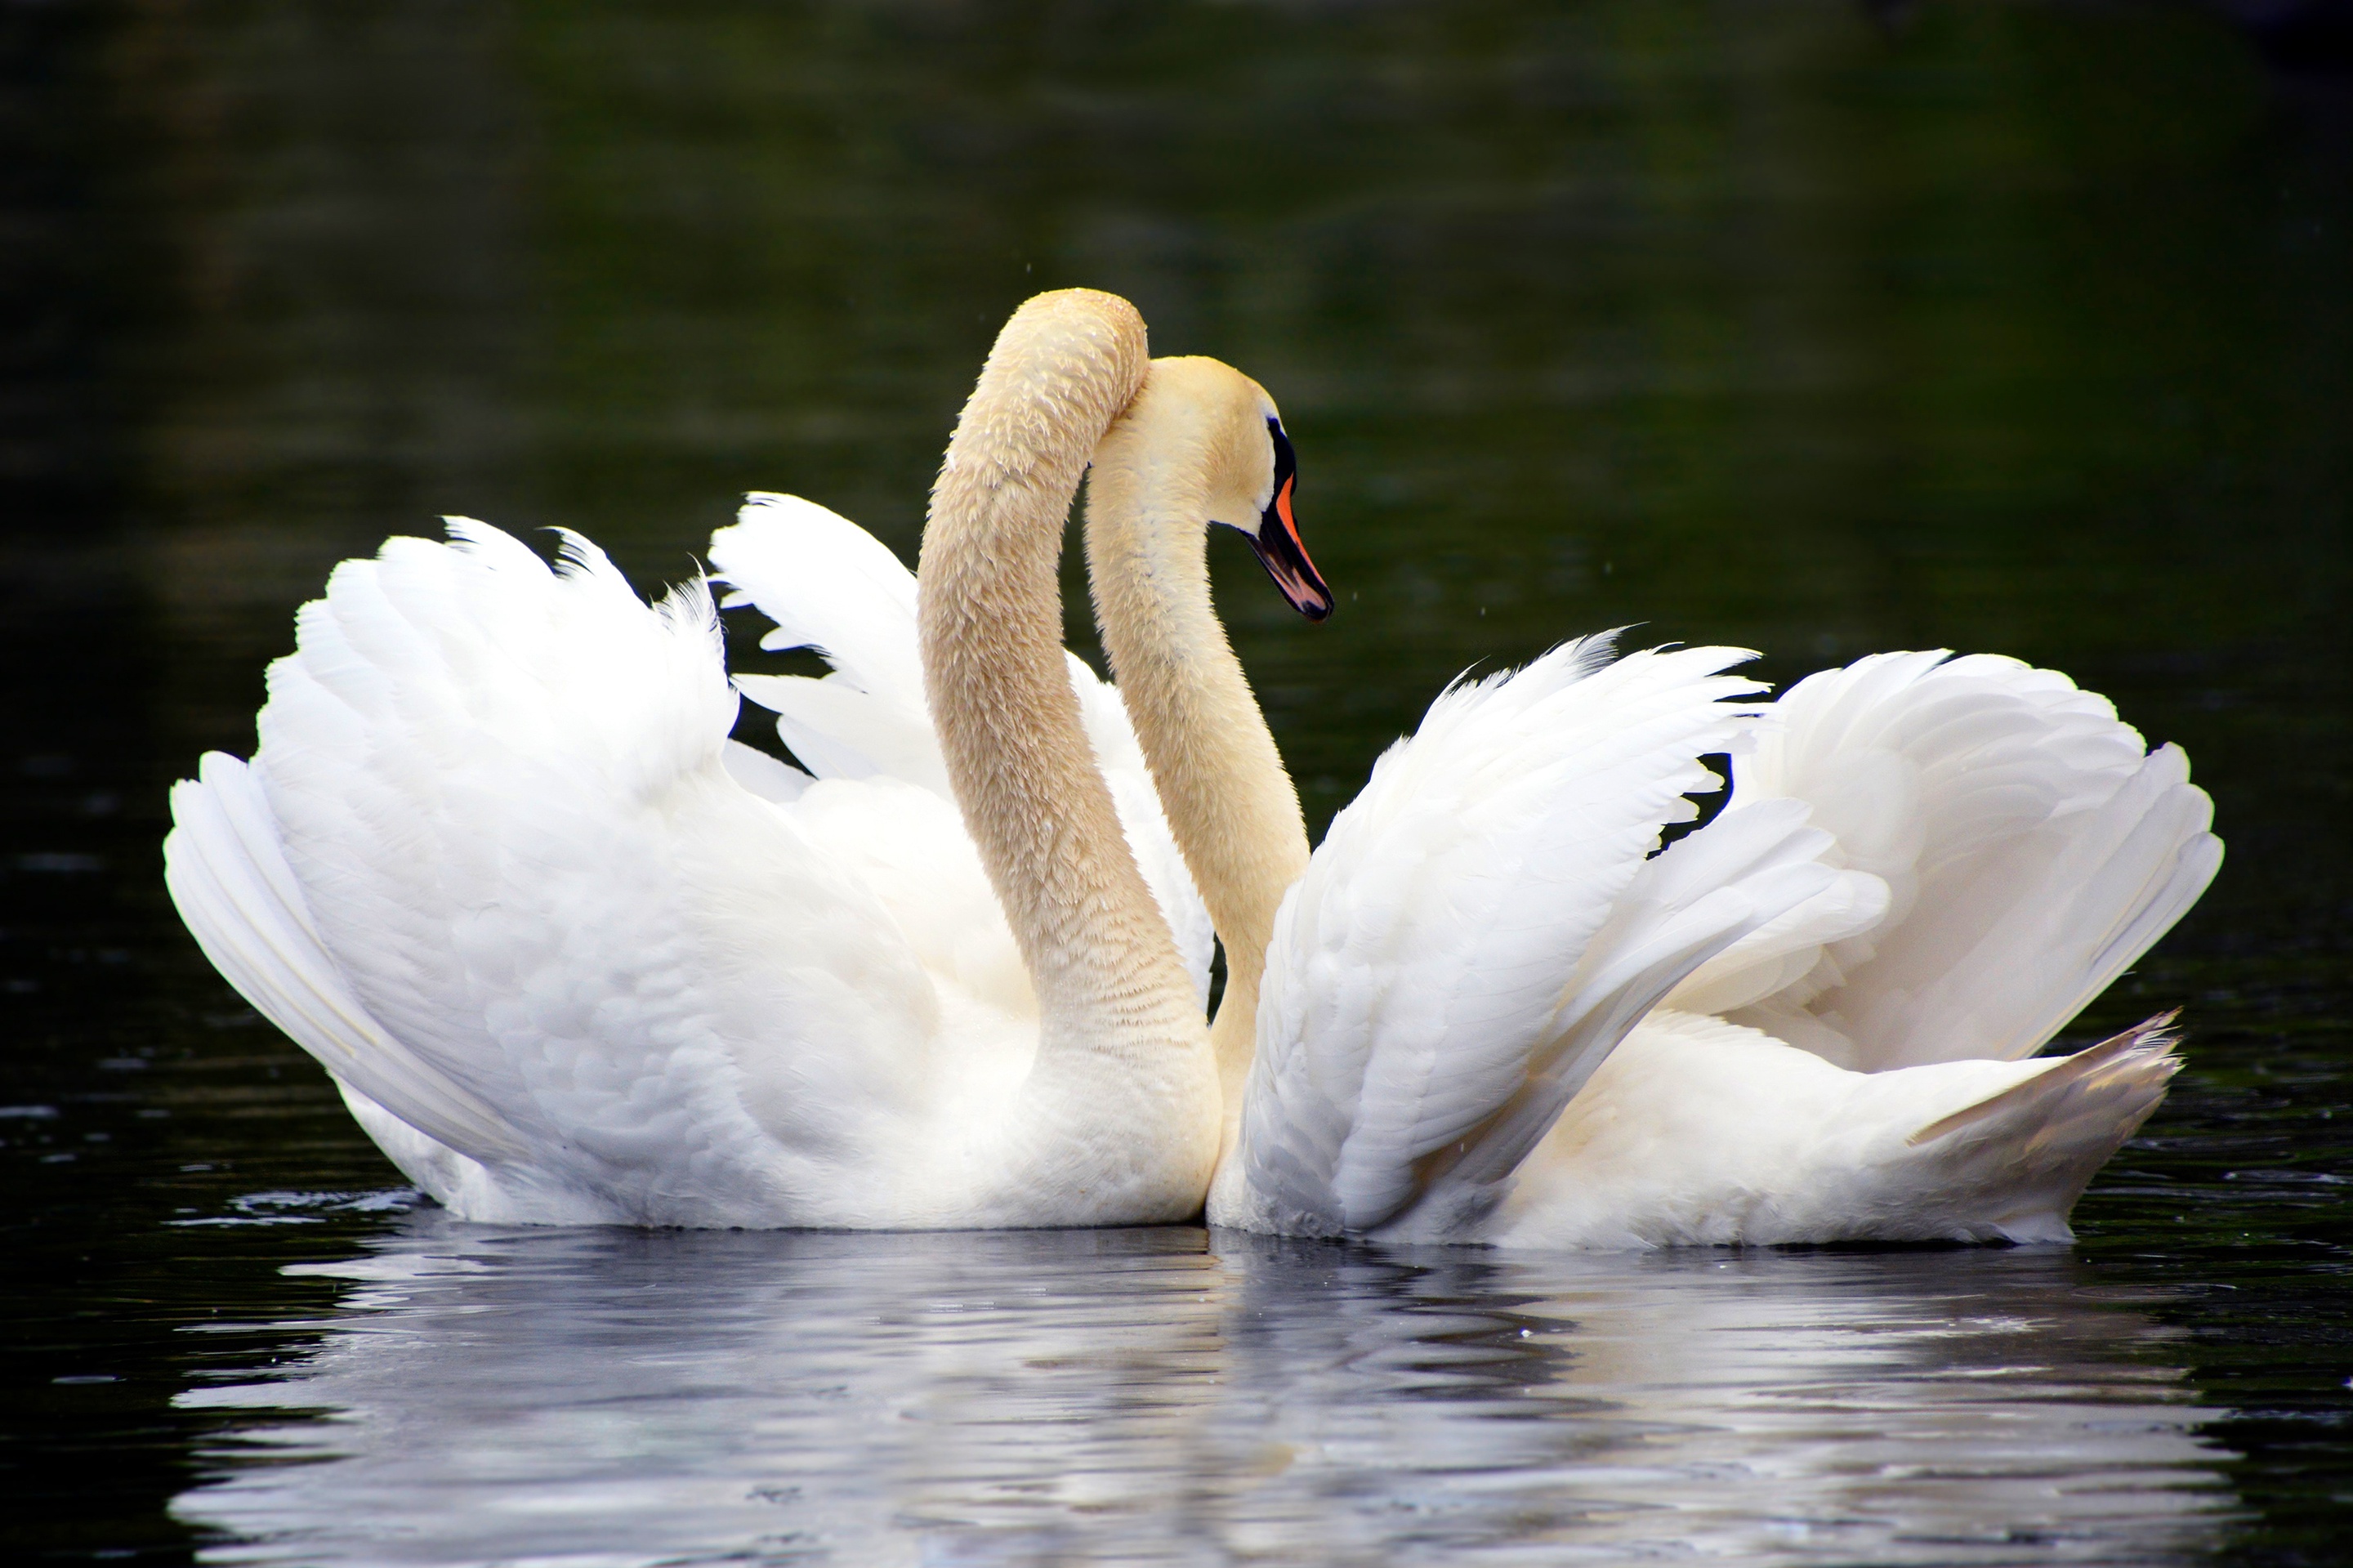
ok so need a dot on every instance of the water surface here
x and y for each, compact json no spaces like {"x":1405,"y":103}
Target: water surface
{"x":1159,"y":1396}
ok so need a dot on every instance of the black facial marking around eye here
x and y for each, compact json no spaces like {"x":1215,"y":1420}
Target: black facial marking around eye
{"x":1286,"y":463}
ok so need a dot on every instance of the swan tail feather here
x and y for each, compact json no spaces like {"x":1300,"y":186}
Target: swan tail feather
{"x":2011,"y":1166}
{"x":2124,"y":1067}
{"x":1700,"y":1132}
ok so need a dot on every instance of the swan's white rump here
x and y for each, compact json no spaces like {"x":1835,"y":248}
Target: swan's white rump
{"x":1698,"y":1132}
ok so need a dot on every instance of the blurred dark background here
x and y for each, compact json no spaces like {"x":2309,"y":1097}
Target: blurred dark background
{"x":1811,"y":326}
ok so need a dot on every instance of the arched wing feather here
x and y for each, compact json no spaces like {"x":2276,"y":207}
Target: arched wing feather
{"x":503,"y":795}
{"x":1485,"y":921}
{"x":832,"y":586}
{"x":228,"y":877}
{"x":2029,"y":851}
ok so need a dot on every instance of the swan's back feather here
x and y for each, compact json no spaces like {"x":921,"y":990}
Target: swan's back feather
{"x":764,"y":775}
{"x":1483,"y":923}
{"x":828,"y":585}
{"x":834,"y":589}
{"x":2028,"y":850}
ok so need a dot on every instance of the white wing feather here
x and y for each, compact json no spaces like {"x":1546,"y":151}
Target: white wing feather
{"x":832,"y":586}
{"x":1481,"y":925}
{"x":2005,"y":848}
{"x":228,"y":876}
{"x":503,"y":796}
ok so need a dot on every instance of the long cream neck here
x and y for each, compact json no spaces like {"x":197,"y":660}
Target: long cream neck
{"x":1118,"y":1011}
{"x":1221,"y":781}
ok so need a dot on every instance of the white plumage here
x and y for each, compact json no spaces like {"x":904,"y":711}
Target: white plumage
{"x":832,"y":586}
{"x":1928,"y":865}
{"x":1990,"y":848}
{"x":500,"y":869}
{"x":1481,"y":925}
{"x":2028,"y":845}
{"x":574,"y":955}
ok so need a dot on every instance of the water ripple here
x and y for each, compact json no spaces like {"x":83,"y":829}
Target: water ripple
{"x":1168,"y":1396}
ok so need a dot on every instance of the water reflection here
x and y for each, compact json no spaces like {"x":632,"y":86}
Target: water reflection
{"x":489,"y":1396}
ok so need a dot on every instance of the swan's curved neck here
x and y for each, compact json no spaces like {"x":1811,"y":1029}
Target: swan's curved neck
{"x":1110,"y":988}
{"x":1229,"y":800}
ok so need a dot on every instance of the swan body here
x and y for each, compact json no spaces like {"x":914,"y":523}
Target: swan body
{"x":1866,"y":1070}
{"x":1439,"y":1026}
{"x":1858,"y":1068}
{"x":1696,"y":1131}
{"x":573,"y":955}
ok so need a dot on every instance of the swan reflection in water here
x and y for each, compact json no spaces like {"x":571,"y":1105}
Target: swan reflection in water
{"x":594,"y":1397}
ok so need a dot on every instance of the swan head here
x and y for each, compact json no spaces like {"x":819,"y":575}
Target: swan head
{"x":1204,"y":418}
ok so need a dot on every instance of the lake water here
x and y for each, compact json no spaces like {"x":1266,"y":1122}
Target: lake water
{"x":1811,"y":327}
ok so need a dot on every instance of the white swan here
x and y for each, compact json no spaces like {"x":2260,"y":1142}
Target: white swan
{"x":575,"y":956}
{"x":1991,"y":846}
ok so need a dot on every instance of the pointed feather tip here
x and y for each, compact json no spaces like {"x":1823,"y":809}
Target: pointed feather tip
{"x":471,"y":535}
{"x":761,"y":508}
{"x":2157,"y":1036}
{"x":1584,"y":656}
{"x":1565,"y":664}
{"x":2145,"y":1051}
{"x":688,"y":606}
{"x":578,"y":557}
{"x":761,"y":505}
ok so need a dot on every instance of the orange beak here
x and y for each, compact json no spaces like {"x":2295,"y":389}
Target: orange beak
{"x":1286,"y":559}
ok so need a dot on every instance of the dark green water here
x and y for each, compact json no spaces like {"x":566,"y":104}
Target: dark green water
{"x":2017,"y":328}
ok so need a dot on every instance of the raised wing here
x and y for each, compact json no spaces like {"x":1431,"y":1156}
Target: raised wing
{"x":1484,"y":922}
{"x":519,"y":901}
{"x":832,"y":586}
{"x":2024,"y":847}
